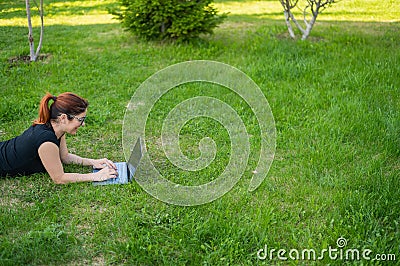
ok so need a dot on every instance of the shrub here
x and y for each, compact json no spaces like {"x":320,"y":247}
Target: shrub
{"x":168,"y":19}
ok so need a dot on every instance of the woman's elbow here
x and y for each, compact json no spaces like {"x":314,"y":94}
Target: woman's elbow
{"x":64,"y":159}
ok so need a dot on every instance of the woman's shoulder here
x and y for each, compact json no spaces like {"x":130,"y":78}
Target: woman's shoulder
{"x":43,"y":133}
{"x":42,"y":127}
{"x":39,"y":129}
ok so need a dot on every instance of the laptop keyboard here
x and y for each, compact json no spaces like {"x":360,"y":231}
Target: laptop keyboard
{"x":121,"y":179}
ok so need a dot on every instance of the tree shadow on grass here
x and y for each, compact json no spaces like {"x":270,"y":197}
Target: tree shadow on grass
{"x":236,"y":29}
{"x":17,"y":9}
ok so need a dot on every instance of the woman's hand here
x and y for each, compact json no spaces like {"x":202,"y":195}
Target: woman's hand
{"x":102,"y":163}
{"x":106,"y":173}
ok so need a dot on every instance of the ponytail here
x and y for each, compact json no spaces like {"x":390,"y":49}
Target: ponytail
{"x":65,"y":103}
{"x":44,"y":110}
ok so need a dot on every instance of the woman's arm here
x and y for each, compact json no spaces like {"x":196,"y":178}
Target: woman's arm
{"x":49,"y":154}
{"x":69,"y":158}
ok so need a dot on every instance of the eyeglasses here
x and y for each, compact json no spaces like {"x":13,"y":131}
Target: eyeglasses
{"x":80,"y":119}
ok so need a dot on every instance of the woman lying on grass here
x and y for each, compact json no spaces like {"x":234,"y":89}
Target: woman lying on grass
{"x":42,"y":147}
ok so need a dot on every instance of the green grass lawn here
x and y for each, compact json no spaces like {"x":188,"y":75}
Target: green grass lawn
{"x":336,"y":104}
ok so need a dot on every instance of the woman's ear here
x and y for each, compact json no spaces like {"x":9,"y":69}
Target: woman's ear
{"x":63,"y":118}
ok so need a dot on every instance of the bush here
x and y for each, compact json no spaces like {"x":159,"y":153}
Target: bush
{"x":169,"y":19}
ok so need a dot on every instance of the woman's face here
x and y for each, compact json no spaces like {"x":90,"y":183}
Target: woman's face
{"x":75,"y":121}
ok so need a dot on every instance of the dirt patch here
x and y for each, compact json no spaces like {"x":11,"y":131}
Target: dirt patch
{"x":26,"y":59}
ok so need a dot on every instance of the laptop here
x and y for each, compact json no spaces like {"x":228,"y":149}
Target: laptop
{"x":126,"y":170}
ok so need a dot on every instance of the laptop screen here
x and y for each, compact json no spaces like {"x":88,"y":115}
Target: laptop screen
{"x":135,"y":157}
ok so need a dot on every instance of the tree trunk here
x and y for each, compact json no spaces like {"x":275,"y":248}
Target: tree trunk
{"x":290,"y":29}
{"x":41,"y":30}
{"x":30,"y":34}
{"x":296,"y":23}
{"x":32,"y":54}
{"x":309,"y":27}
{"x":310,"y":24}
{"x":315,"y":7}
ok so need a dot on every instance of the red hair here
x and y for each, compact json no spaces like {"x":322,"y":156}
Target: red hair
{"x":65,"y":103}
